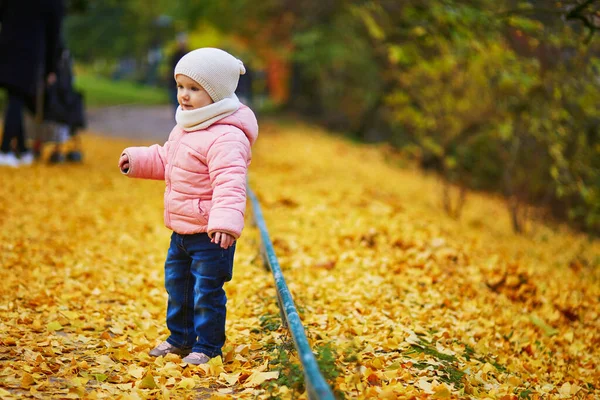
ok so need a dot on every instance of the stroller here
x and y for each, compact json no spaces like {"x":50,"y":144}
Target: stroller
{"x":57,"y":116}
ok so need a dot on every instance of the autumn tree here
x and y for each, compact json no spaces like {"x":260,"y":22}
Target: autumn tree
{"x":494,"y":95}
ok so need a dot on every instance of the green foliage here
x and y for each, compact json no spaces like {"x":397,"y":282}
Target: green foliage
{"x":353,"y":81}
{"x":100,"y":91}
{"x":525,"y":394}
{"x":446,"y":369}
{"x":112,"y":29}
{"x":270,"y":322}
{"x":326,"y":359}
{"x":501,"y":104}
{"x":290,"y":373}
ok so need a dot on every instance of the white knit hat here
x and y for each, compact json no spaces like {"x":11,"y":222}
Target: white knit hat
{"x":217,"y":71}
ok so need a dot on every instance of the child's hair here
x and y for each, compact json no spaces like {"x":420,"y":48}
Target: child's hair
{"x":217,"y":71}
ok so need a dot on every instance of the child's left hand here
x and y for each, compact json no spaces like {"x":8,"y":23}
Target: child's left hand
{"x":223,"y":238}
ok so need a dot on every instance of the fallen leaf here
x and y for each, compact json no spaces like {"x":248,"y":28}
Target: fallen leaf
{"x":27,"y":380}
{"x":231,"y":379}
{"x":100,"y":377}
{"x":216,"y":366}
{"x":187,"y":383}
{"x":547,"y":329}
{"x":148,"y":382}
{"x":258,"y":378}
{"x":441,"y":391}
{"x":136,"y":371}
{"x":425,"y":385}
{"x":54,"y":326}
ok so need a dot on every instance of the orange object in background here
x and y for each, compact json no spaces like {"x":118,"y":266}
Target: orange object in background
{"x":278,"y":78}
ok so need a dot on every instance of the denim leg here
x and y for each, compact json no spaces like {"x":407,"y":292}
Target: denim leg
{"x":212,"y":266}
{"x":13,"y":124}
{"x":180,"y":287}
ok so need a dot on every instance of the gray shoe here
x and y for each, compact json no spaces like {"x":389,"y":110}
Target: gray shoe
{"x":165,"y":348}
{"x":196,"y":358}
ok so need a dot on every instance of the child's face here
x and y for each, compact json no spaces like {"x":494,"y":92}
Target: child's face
{"x":190,"y":94}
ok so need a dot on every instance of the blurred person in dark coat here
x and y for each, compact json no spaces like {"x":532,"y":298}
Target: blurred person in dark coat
{"x":29,"y":36}
{"x":181,"y":50}
{"x":244,"y":90}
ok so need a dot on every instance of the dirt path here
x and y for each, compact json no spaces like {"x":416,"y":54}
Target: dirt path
{"x":132,"y":122}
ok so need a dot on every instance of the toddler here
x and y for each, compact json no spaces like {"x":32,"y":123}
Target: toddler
{"x":204,"y":164}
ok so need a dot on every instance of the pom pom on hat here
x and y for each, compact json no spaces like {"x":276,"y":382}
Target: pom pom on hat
{"x":217,"y":71}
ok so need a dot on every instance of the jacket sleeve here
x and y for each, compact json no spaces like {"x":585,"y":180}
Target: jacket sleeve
{"x":147,"y":162}
{"x":227,"y":160}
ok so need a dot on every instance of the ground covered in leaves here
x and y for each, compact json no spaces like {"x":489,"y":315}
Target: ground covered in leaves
{"x":399,"y":301}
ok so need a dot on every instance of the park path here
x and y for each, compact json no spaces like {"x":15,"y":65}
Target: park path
{"x":132,"y":122}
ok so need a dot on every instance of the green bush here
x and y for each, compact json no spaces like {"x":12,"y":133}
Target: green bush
{"x":100,"y":91}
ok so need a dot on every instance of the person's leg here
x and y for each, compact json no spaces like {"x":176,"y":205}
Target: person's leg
{"x":75,"y":154}
{"x":179,"y":283}
{"x":60,"y":137}
{"x":212,"y":267}
{"x":13,"y":124}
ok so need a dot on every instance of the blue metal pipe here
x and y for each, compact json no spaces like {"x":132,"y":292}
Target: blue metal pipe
{"x":316,"y":385}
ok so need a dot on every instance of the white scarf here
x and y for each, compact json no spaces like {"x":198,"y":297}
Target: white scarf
{"x":203,"y":117}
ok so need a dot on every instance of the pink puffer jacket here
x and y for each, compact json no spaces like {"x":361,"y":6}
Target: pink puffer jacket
{"x":204,"y":172}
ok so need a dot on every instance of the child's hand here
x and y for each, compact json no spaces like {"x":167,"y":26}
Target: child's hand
{"x":224,"y":238}
{"x":124,"y":163}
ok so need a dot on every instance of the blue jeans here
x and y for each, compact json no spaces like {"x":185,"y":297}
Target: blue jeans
{"x":195,"y":271}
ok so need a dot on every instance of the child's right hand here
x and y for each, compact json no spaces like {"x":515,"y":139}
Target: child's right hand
{"x":124,"y":163}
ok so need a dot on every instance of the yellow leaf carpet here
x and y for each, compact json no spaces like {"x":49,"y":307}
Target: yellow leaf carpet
{"x":399,"y":300}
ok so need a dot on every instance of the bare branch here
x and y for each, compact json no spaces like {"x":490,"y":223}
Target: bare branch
{"x":522,"y":11}
{"x":577,"y":14}
{"x":578,"y":9}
